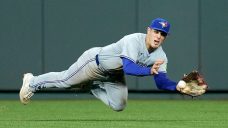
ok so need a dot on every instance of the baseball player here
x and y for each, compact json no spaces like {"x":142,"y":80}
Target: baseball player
{"x":103,"y":68}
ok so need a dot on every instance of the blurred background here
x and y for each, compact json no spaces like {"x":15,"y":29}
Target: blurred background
{"x":41,"y":36}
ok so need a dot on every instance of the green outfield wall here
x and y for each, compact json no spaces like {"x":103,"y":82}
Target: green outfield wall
{"x":41,"y":36}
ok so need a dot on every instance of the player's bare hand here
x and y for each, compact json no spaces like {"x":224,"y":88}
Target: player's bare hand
{"x":156,"y":66}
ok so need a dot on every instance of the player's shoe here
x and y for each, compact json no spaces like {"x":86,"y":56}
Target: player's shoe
{"x":26,"y":91}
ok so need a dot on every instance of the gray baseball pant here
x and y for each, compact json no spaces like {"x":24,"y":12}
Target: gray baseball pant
{"x":112,"y":90}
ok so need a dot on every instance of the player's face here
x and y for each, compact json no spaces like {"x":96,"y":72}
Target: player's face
{"x":155,"y":38}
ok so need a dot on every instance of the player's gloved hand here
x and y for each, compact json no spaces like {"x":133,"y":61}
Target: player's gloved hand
{"x":156,"y":65}
{"x":192,"y":84}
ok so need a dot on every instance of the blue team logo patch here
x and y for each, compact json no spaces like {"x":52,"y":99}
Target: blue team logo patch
{"x":163,"y":24}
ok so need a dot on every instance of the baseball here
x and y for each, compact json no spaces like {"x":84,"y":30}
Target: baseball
{"x":181,"y":84}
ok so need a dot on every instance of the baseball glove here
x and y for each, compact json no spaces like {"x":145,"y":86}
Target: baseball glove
{"x":192,"y":84}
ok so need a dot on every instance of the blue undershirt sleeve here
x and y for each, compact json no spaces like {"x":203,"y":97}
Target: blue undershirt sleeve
{"x":163,"y":82}
{"x":131,"y":68}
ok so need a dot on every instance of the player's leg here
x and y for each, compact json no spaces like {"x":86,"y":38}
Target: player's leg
{"x":84,"y":70}
{"x":112,"y":94}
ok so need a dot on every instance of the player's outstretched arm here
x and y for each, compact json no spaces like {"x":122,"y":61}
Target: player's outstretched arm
{"x":164,"y":83}
{"x":161,"y":79}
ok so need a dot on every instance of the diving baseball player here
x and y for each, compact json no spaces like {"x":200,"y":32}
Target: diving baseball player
{"x":104,"y":68}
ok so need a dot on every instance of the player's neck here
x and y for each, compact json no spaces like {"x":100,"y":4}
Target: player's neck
{"x":150,"y":50}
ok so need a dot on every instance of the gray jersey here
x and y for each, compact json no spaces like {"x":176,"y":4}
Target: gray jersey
{"x":132,"y":47}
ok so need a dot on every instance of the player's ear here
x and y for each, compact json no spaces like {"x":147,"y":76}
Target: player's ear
{"x":148,"y":29}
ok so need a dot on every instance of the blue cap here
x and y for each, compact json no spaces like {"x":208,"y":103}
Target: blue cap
{"x":161,"y":25}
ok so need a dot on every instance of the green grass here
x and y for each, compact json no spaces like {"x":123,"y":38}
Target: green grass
{"x":94,"y":114}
